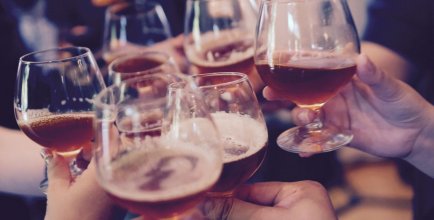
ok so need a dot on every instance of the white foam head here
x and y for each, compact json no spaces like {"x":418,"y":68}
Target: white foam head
{"x":161,"y":174}
{"x":241,"y":135}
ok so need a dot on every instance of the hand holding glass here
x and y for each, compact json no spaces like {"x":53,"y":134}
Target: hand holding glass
{"x":54,"y":98}
{"x":157,"y":150}
{"x":305,"y":51}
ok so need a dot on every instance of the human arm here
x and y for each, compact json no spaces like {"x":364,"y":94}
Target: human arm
{"x":280,"y":200}
{"x":273,"y":200}
{"x":388,"y":60}
{"x":21,"y":166}
{"x":81,"y":198}
{"x":387,"y":117}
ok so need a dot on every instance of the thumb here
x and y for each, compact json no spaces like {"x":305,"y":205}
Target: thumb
{"x":384,"y":87}
{"x":59,"y":177}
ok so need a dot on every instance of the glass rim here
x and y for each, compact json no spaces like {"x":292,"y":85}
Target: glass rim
{"x":109,"y":90}
{"x":85,"y":52}
{"x":167,"y":58}
{"x":242,"y":77}
{"x":113,"y":9}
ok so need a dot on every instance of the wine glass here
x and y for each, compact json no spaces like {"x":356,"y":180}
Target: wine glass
{"x":235,"y":110}
{"x":54,"y":99}
{"x":219,"y":35}
{"x":157,"y":149}
{"x":131,"y":26}
{"x":306,"y":51}
{"x":140,"y":64}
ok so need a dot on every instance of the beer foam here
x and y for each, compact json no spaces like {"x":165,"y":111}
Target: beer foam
{"x":42,"y":117}
{"x":161,"y":174}
{"x":309,"y":59}
{"x":242,"y":135}
{"x":322,"y":62}
{"x":203,"y":56}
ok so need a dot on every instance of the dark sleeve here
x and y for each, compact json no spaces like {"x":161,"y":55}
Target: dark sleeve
{"x":11,"y":48}
{"x":174,"y":10}
{"x":401,"y":25}
{"x":68,"y":14}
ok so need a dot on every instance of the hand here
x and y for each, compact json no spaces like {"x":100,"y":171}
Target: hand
{"x":278,"y":200}
{"x":81,"y":198}
{"x":387,"y":117}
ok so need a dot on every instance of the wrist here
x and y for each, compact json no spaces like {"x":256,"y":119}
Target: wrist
{"x":423,"y":149}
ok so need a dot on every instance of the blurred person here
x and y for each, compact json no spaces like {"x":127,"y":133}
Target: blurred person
{"x":22,"y":24}
{"x":25,"y":27}
{"x":387,"y":117}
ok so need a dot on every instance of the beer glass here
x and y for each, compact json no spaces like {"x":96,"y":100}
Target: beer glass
{"x":241,"y":125}
{"x":219,"y":35}
{"x":140,"y":64}
{"x":157,"y":149}
{"x":306,"y":51}
{"x":131,"y":26}
{"x":54,"y":99}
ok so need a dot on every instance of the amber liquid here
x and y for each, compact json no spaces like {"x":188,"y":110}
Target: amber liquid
{"x":161,"y":209}
{"x":137,"y":66}
{"x":161,"y":183}
{"x":63,"y":133}
{"x":237,"y":172}
{"x":244,"y":142}
{"x":309,"y":83}
{"x":147,"y":125}
{"x":232,"y":57}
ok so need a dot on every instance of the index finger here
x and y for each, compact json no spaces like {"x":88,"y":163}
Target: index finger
{"x":58,"y":174}
{"x":272,"y":95}
{"x":264,"y":193}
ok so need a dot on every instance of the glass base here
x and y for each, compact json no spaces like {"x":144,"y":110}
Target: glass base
{"x":302,"y":140}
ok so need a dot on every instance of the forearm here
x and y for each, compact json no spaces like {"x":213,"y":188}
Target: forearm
{"x":422,"y":153}
{"x":388,"y":60}
{"x":21,"y":167}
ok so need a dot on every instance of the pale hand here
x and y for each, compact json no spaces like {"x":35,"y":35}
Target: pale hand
{"x":70,"y":199}
{"x":304,"y":200}
{"x":387,"y":117}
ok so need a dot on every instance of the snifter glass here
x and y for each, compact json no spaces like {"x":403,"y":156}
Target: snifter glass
{"x":235,"y":110}
{"x":54,"y":100}
{"x":139,"y":64}
{"x":156,"y":147}
{"x":305,"y":51}
{"x":131,"y":26}
{"x":219,"y":35}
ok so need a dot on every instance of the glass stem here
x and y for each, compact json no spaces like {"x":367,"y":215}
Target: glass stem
{"x":317,"y":123}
